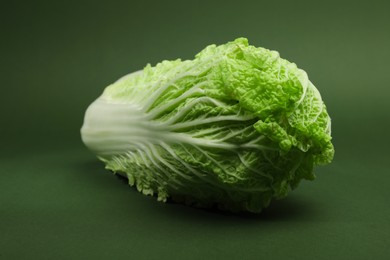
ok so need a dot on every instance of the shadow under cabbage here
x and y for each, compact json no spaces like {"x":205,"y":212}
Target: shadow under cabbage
{"x":295,"y":207}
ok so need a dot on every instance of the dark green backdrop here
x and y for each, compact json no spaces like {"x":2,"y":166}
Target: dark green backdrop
{"x":56,"y":199}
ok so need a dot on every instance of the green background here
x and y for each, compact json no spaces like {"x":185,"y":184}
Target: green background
{"x":56,"y":199}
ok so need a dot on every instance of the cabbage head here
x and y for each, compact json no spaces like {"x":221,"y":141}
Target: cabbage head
{"x":234,"y":128}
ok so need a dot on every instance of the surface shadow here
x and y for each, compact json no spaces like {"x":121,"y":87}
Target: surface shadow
{"x":295,"y":207}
